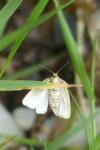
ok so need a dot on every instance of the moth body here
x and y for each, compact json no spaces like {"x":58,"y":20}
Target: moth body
{"x":54,"y":94}
{"x":58,"y":103}
{"x":57,"y":98}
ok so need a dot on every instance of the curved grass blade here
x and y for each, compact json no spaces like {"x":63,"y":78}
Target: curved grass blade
{"x":77,"y":61}
{"x":33,"y":17}
{"x":11,"y":37}
{"x":86,"y":127}
{"x":74,"y":54}
{"x":7,"y":11}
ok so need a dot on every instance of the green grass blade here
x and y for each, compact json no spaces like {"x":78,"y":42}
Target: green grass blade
{"x":11,"y":85}
{"x":21,"y":140}
{"x":87,"y":127}
{"x":93,"y":63}
{"x":27,"y":141}
{"x":11,"y":37}
{"x":77,"y":61}
{"x":74,"y":54}
{"x":7,"y":141}
{"x":59,"y":141}
{"x":7,"y":11}
{"x":37,"y":12}
{"x":93,"y":79}
{"x":96,"y":142}
{"x":33,"y":17}
{"x":14,"y":85}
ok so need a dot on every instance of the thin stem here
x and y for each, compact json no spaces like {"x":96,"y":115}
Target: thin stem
{"x":93,"y":119}
{"x":94,"y":46}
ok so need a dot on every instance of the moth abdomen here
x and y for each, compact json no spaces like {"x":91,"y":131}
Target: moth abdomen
{"x":54,"y":98}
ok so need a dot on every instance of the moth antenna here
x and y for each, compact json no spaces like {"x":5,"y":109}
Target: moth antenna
{"x":66,"y":64}
{"x":44,"y":67}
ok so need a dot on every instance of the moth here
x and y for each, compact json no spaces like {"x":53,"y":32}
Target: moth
{"x":57,"y":98}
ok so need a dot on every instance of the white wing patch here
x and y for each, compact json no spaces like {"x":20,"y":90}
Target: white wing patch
{"x":37,"y":99}
{"x":63,"y":110}
{"x":30,"y":100}
{"x":42,"y":105}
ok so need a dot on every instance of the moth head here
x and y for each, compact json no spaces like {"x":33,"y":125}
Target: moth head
{"x":55,"y":78}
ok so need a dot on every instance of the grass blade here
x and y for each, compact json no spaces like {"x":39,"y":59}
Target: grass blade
{"x":33,"y":17}
{"x":7,"y":11}
{"x":9,"y":85}
{"x":96,"y":142}
{"x":21,"y":140}
{"x":14,"y":85}
{"x":7,"y":140}
{"x":11,"y":37}
{"x":86,"y":127}
{"x":57,"y":142}
{"x":93,"y":63}
{"x":74,"y":54}
{"x":77,"y":61}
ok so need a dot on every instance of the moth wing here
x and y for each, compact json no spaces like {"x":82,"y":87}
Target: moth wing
{"x":42,"y":104}
{"x":30,"y":100}
{"x":63,"y":110}
{"x":37,"y":99}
